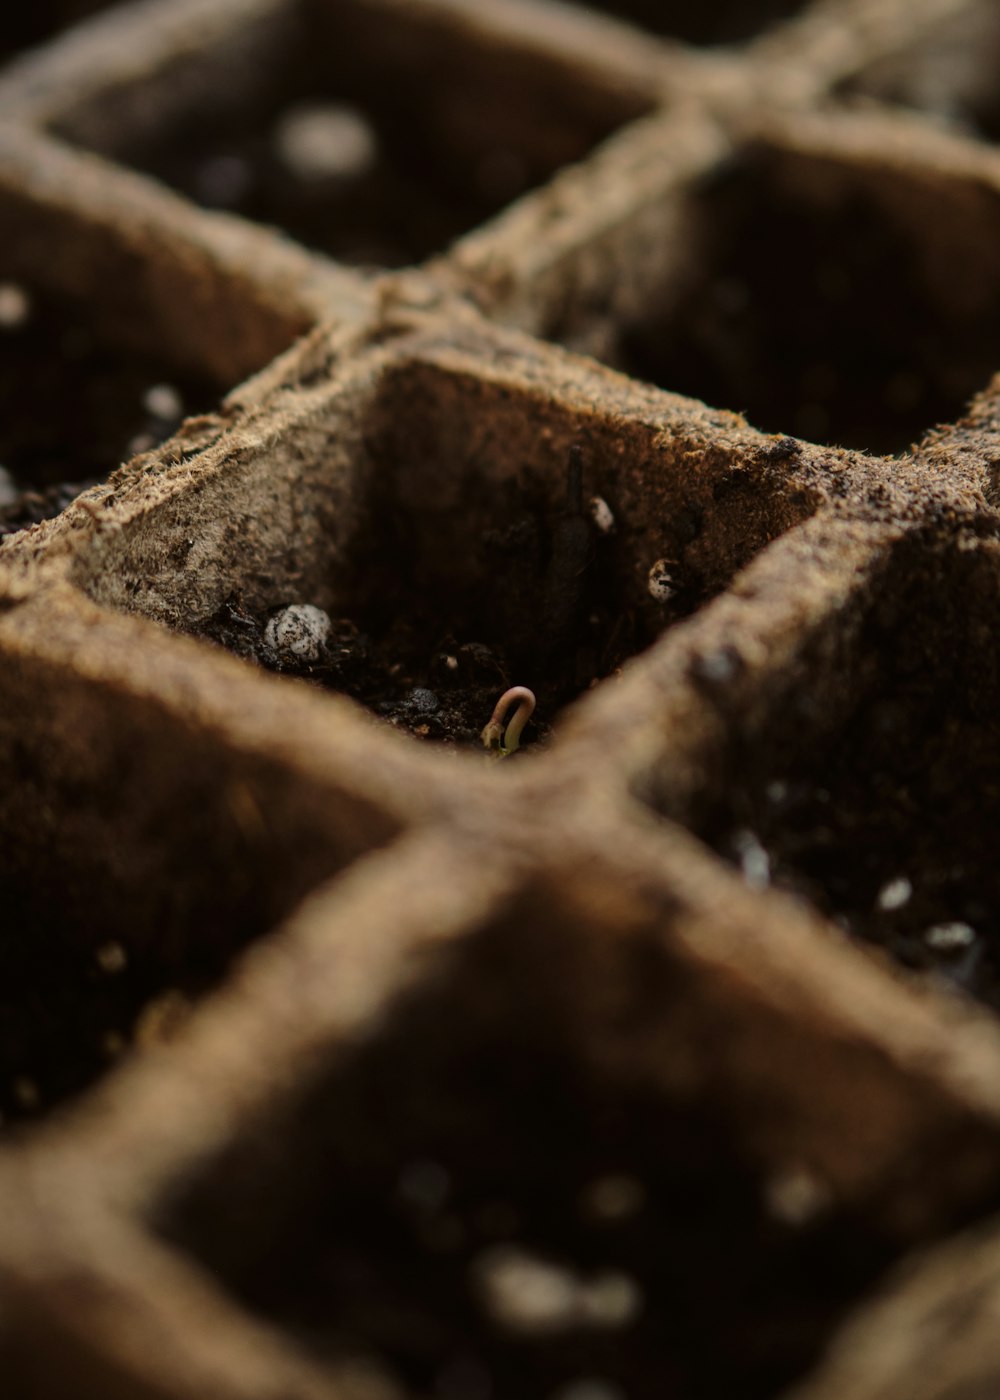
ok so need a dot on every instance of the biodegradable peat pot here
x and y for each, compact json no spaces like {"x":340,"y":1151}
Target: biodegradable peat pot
{"x":659,"y":1059}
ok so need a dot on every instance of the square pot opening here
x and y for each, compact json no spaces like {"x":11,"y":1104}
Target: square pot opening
{"x":77,"y":399}
{"x":866,"y":779}
{"x":841,"y":301}
{"x":463,"y":534}
{"x":139,"y":856}
{"x":110,"y":335}
{"x":470,"y":1197}
{"x":376,"y":139}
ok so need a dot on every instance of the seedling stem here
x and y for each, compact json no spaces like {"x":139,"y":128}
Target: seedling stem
{"x":499,"y":741}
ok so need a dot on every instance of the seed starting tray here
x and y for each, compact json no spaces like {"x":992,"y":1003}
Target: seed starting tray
{"x":661,"y":1058}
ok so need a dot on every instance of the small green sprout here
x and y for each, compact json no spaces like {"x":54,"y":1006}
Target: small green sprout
{"x":496,"y":739}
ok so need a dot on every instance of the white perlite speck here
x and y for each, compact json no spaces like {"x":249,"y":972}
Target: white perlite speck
{"x":530,"y":1295}
{"x":9,"y":491}
{"x":163,"y":401}
{"x":755,"y":863}
{"x":659,"y":582}
{"x":609,"y":1300}
{"x":299,"y":632}
{"x":320,"y":141}
{"x":600,"y":514}
{"x":15,"y":306}
{"x":948,"y":938}
{"x":894,"y":894}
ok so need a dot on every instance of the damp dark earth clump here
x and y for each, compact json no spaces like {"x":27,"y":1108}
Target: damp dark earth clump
{"x":443,"y":691}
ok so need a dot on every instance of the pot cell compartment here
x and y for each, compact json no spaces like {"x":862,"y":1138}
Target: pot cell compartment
{"x":376,"y":139}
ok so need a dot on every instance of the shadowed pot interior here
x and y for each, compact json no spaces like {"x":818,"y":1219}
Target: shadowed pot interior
{"x":865,"y":777}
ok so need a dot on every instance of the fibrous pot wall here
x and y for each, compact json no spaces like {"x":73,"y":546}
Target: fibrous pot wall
{"x":362,"y":362}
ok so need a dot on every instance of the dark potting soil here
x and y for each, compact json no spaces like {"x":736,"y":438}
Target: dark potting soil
{"x":75,"y":403}
{"x":888,"y":825}
{"x":445,"y":690}
{"x":814,"y":320}
{"x":30,"y":507}
{"x":377,"y":149}
{"x":69,"y":1010}
{"x":852,"y":855}
{"x":634,"y":1263}
{"x":381,"y":213}
{"x":548,"y":604}
{"x":464,"y":1202}
{"x":864,"y":776}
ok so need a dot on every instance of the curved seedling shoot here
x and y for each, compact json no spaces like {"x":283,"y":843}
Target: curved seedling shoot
{"x":499,"y":741}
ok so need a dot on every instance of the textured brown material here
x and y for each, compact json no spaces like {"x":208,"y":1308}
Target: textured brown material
{"x":283,"y":975}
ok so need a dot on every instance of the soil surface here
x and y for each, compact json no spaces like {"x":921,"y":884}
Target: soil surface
{"x":377,"y":149}
{"x":471,"y":1209}
{"x":380,"y":210}
{"x":69,"y":1010}
{"x":849,"y":849}
{"x":29,"y":506}
{"x":815,"y":321}
{"x":444,"y":691}
{"x":872,"y":789}
{"x":591,"y":1262}
{"x":545,"y":600}
{"x":74,"y":403}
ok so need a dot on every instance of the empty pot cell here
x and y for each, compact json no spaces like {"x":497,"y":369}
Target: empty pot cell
{"x":852,"y":306}
{"x":76,"y":401}
{"x":137,"y":857}
{"x":870,"y":784}
{"x":730,"y":22}
{"x":27,"y":25}
{"x":470,"y":1200}
{"x":376,"y":138}
{"x":498,"y":538}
